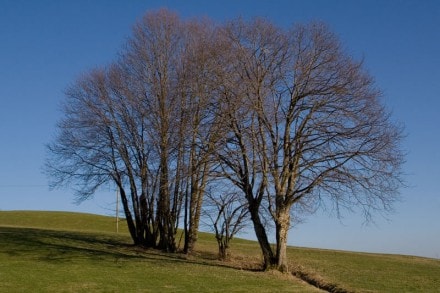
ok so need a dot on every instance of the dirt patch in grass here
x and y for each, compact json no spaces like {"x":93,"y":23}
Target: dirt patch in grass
{"x":317,"y":281}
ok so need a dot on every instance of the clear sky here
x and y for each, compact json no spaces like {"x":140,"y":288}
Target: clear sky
{"x":45,"y":45}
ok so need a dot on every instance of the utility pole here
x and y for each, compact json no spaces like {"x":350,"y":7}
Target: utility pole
{"x":117,"y":210}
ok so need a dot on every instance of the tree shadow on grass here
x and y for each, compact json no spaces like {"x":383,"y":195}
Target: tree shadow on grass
{"x":66,"y":246}
{"x":54,"y":245}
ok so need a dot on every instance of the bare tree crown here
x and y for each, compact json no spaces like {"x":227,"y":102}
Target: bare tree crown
{"x":285,"y":115}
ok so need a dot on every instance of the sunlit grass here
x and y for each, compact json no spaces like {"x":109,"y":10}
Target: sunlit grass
{"x":60,"y":220}
{"x":366,"y":272}
{"x":68,"y":252}
{"x":41,"y":260}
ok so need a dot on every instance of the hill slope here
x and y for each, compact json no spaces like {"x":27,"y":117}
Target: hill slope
{"x":47,"y":258}
{"x":71,"y":252}
{"x":60,"y":220}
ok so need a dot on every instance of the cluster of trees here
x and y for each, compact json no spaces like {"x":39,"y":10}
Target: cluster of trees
{"x":284,"y":117}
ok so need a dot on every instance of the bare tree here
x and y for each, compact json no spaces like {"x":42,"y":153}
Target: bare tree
{"x":285,"y":115}
{"x":241,"y":80}
{"x":147,"y":123}
{"x":306,"y":126}
{"x":151,"y":63}
{"x":228,"y":214}
{"x":203,"y":131}
{"x":92,"y":145}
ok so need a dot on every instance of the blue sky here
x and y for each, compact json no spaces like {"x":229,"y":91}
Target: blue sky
{"x":45,"y":45}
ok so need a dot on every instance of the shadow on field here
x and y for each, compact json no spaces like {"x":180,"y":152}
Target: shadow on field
{"x":49,"y":245}
{"x":67,"y":246}
{"x":53,"y":246}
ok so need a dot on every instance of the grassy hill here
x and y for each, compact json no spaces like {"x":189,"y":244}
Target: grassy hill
{"x":71,"y":252}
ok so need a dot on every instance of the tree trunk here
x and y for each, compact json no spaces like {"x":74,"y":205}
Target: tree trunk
{"x":193,"y":217}
{"x":260,"y":232}
{"x":149,"y":238}
{"x":223,"y":250}
{"x":282,"y":225}
{"x":163,"y":208}
{"x":131,"y":225}
{"x":195,"y":209}
{"x":197,"y":191}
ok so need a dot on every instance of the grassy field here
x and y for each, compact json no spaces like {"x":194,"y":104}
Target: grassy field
{"x":68,"y":252}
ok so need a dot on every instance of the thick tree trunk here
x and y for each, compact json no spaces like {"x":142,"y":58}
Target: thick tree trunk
{"x":195,"y":210}
{"x":260,"y":232}
{"x":190,"y":238}
{"x":223,"y":249}
{"x":195,"y":202}
{"x":149,"y":239}
{"x":130,"y":223}
{"x":194,"y":217}
{"x":282,"y":228}
{"x":163,"y":208}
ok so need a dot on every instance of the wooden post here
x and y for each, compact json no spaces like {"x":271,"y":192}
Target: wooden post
{"x":117,"y":211}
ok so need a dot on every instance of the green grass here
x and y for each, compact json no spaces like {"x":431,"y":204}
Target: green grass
{"x":60,"y":221}
{"x":68,"y":252}
{"x":38,"y":259}
{"x":366,"y":272}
